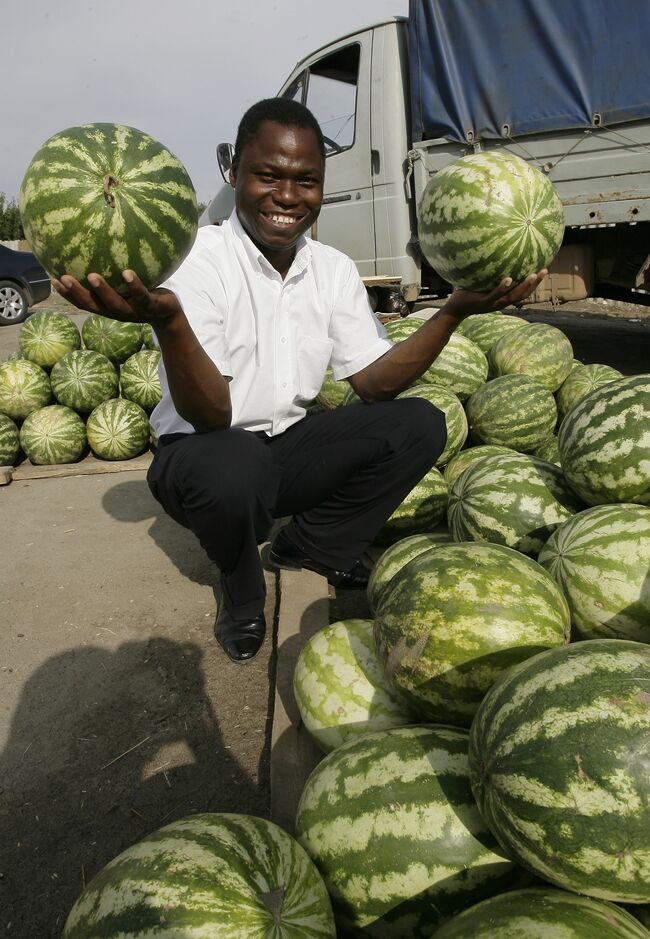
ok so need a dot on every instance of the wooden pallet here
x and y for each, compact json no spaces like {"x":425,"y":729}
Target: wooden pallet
{"x":89,"y":466}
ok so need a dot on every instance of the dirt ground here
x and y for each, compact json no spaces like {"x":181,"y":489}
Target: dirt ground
{"x":118,"y":712}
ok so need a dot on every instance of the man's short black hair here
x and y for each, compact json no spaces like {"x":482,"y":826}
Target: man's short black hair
{"x":282,"y":111}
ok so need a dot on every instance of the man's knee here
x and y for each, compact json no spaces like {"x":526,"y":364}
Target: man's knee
{"x":427,"y":423}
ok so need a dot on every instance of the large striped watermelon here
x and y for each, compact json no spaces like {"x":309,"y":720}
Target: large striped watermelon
{"x":397,"y":330}
{"x":53,"y":434}
{"x":397,"y":556}
{"x":512,"y":499}
{"x":117,"y":429}
{"x":390,"y":821}
{"x":24,"y":387}
{"x":512,"y":411}
{"x":459,"y":616}
{"x":112,"y":338}
{"x":46,"y":336}
{"x":488,"y":216}
{"x":422,"y":509}
{"x":9,"y":441}
{"x":485,"y":328}
{"x":105,"y":197}
{"x":455,"y":418}
{"x":541,"y":351}
{"x":604,"y":443}
{"x":340,"y":688}
{"x":601,"y":560}
{"x":459,"y":463}
{"x":225,"y":875}
{"x":559,"y":762}
{"x":543,"y":913}
{"x":579,"y":382}
{"x":83,"y":379}
{"x":139,"y":379}
{"x":461,"y":366}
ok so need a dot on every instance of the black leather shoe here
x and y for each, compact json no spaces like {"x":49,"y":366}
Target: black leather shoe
{"x":241,"y":640}
{"x":287,"y":555}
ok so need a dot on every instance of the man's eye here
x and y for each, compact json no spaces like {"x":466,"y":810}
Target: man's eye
{"x":267,"y":177}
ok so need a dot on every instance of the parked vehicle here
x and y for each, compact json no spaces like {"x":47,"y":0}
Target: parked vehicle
{"x":23,"y":282}
{"x":561,"y":85}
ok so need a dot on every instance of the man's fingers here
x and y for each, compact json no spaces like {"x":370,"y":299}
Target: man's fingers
{"x":71,"y":290}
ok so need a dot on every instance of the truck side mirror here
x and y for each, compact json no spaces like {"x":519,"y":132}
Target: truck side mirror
{"x":225,"y":154}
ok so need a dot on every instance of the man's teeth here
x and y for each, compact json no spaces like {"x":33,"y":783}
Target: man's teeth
{"x":282,"y":219}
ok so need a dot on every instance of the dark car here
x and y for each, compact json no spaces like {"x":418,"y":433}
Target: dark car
{"x":23,"y":282}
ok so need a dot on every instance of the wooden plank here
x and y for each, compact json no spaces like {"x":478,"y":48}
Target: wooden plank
{"x":6,"y":475}
{"x":89,"y":466}
{"x":304,"y":609}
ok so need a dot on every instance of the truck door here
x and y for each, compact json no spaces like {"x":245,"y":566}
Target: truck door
{"x":335,"y":85}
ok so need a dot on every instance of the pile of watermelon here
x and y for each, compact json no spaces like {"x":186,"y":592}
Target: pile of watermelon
{"x":69,"y":391}
{"x":489,"y":729}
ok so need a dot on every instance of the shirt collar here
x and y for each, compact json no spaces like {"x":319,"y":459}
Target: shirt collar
{"x":300,"y":262}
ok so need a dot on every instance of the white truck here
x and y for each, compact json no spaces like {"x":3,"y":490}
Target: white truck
{"x":563,"y":85}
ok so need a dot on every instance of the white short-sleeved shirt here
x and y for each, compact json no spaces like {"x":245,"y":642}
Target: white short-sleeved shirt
{"x":272,"y":338}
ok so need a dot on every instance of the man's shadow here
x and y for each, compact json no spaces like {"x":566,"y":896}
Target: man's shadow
{"x":105,"y":747}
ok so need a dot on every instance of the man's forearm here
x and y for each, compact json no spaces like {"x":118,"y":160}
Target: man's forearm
{"x":199,"y":391}
{"x":406,"y":361}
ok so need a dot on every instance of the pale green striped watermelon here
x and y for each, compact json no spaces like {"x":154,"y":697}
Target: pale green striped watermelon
{"x":390,"y":821}
{"x":117,"y":341}
{"x":541,"y":351}
{"x":542,"y":913}
{"x":559,"y":762}
{"x":207,"y":875}
{"x":488,"y":216}
{"x":458,"y":617}
{"x":53,"y":434}
{"x":422,"y":509}
{"x":9,"y":441}
{"x":397,"y":330}
{"x":148,"y":337}
{"x":332,"y":392}
{"x":604,"y":443}
{"x":46,"y":336}
{"x":549,"y":451}
{"x":393,"y":559}
{"x":24,"y":387}
{"x":461,"y":367}
{"x":117,"y":429}
{"x":579,"y":382}
{"x":340,"y":689}
{"x":512,"y":411}
{"x":512,"y":499}
{"x":139,"y":379}
{"x":455,"y":418}
{"x":601,"y":560}
{"x":485,"y":328}
{"x":83,"y":379}
{"x":105,"y":197}
{"x":459,"y":463}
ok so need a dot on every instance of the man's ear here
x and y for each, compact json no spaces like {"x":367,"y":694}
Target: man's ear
{"x":232,"y":175}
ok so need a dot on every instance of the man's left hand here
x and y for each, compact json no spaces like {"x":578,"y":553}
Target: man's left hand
{"x":464,"y":303}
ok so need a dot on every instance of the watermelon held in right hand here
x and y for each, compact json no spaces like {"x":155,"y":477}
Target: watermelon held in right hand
{"x":103,"y":198}
{"x":488,"y":216}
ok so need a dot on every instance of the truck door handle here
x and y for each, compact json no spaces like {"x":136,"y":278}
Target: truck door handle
{"x":330,"y":199}
{"x":375,"y":162}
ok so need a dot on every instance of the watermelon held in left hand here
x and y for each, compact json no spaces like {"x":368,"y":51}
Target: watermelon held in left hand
{"x":103,"y":198}
{"x":488,"y":216}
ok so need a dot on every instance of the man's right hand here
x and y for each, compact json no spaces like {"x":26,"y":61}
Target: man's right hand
{"x":157,"y":307}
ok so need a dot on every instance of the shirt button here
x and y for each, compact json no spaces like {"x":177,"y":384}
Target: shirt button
{"x":284,"y":384}
{"x":283,"y":339}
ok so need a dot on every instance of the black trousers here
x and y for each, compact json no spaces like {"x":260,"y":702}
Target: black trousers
{"x":339,"y":474}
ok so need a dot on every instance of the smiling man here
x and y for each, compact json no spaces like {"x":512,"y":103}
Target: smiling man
{"x":247,"y":327}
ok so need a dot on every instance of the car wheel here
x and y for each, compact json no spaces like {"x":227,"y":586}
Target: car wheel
{"x":13,"y":303}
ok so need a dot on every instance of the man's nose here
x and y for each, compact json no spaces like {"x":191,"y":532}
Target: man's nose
{"x":286,"y":192}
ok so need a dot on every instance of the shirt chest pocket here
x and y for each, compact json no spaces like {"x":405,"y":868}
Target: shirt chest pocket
{"x":313,"y":359}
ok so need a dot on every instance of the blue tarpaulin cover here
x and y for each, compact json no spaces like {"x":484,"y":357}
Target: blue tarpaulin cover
{"x":534,"y":65}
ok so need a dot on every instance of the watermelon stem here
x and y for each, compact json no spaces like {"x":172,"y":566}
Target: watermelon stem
{"x":110,"y":183}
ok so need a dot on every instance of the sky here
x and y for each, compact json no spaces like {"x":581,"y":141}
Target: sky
{"x":183,"y":71}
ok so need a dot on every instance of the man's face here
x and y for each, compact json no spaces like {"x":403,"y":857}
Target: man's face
{"x":279,"y":186}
